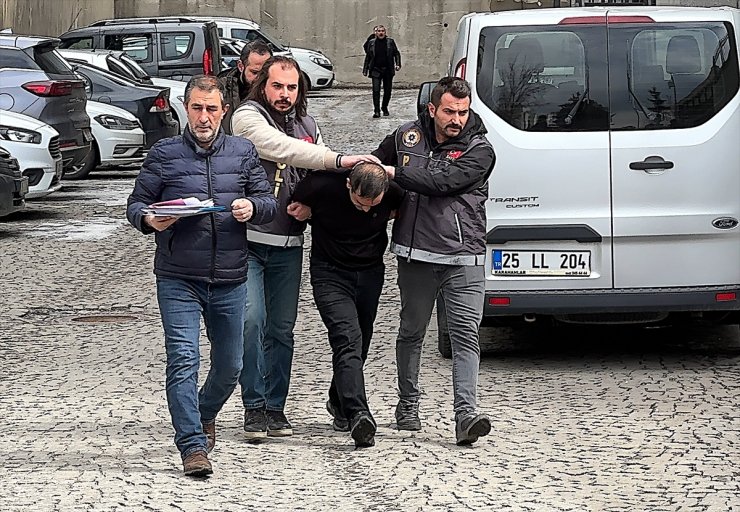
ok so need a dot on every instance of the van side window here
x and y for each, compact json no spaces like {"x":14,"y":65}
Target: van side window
{"x":137,"y":46}
{"x":551,"y":79}
{"x":78,"y":43}
{"x":676,"y":76}
{"x":175,"y":45}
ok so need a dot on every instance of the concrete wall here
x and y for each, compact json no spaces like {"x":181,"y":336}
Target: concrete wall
{"x":423,"y":29}
{"x":52,"y":17}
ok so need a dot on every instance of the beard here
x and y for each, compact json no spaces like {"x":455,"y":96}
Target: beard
{"x":282,"y":106}
{"x":205,"y":136}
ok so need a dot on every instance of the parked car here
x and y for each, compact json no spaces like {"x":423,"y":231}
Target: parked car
{"x":13,"y":186}
{"x":231,"y":50}
{"x":36,"y":81}
{"x":615,"y":193}
{"x":35,"y":145}
{"x":120,"y":64}
{"x":317,"y":69}
{"x":175,"y":48}
{"x":149,"y":104}
{"x":118,"y":138}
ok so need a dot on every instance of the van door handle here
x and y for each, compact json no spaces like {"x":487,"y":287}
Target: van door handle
{"x":651,"y":165}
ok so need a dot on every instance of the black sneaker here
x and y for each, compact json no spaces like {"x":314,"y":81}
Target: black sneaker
{"x":340,"y":424}
{"x":470,"y":427}
{"x":376,"y":115}
{"x":278,"y":425}
{"x":255,"y":424}
{"x":363,"y":430}
{"x":407,"y":415}
{"x":385,"y":112}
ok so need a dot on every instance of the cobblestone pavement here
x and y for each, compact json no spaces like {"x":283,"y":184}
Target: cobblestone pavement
{"x":587,"y":419}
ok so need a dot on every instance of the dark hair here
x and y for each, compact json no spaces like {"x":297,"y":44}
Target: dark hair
{"x":368,"y":180}
{"x":256,"y":46}
{"x":257,"y":91}
{"x":458,"y":87}
{"x":205,"y":83}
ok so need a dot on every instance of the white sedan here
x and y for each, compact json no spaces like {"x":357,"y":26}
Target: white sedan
{"x":36,"y":147}
{"x":118,"y":139}
{"x":177,"y":98}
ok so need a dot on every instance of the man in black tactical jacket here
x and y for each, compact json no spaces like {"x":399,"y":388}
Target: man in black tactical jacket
{"x":443,"y":161}
{"x":237,"y":81}
{"x":382,"y":60}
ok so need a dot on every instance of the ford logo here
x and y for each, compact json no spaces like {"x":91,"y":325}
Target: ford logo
{"x":724,"y":223}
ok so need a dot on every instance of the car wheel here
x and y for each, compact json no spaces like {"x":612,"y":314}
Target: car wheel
{"x":308,"y":81}
{"x":88,"y":164}
{"x":443,"y":334}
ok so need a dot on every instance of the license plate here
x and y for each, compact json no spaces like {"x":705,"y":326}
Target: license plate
{"x":22,"y":186}
{"x":541,"y":263}
{"x":87,"y":135}
{"x":59,"y":168}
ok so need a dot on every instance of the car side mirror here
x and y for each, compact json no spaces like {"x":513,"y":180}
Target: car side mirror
{"x":425,"y":96}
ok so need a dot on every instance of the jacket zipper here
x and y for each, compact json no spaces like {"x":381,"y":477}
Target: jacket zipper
{"x":459,"y":229}
{"x":416,"y":217}
{"x":213,"y":222}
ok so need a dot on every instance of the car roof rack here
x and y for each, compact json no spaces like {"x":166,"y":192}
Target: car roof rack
{"x":126,"y":21}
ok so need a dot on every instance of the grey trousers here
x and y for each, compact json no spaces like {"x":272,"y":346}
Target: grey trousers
{"x":462,"y":289}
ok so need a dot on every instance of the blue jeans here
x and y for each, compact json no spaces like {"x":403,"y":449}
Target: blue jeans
{"x":181,"y":304}
{"x":273,"y":283}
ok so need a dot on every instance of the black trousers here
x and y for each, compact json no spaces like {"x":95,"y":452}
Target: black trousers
{"x":348,"y":303}
{"x":387,"y":80}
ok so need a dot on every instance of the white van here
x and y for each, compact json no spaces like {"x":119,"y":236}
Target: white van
{"x":616,"y":192}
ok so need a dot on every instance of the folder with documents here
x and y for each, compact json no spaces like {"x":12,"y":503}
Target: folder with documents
{"x":185,"y":207}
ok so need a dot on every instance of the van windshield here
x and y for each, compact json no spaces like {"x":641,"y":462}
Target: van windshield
{"x":555,"y":78}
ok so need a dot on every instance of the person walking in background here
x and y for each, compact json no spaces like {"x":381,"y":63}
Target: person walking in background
{"x":382,"y":60}
{"x":349,"y":219}
{"x":201,"y":261}
{"x":238,"y":80}
{"x":289,"y":143}
{"x":443,"y":161}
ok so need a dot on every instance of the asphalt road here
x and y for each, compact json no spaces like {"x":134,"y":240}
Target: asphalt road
{"x":583,"y":419}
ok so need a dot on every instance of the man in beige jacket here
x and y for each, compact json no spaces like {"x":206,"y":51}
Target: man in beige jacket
{"x":289,"y":144}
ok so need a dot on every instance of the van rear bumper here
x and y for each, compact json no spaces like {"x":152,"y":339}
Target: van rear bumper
{"x":562,"y":302}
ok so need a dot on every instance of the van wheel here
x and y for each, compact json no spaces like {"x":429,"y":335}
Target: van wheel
{"x":88,"y":164}
{"x":308,"y":81}
{"x":443,"y":335}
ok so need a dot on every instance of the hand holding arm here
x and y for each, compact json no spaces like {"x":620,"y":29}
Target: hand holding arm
{"x":299,"y":211}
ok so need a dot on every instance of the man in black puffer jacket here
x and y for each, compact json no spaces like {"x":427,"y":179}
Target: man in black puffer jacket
{"x":443,"y":161}
{"x":201,"y":261}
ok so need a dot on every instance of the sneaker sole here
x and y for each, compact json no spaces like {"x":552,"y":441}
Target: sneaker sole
{"x":415,"y":427}
{"x":255,"y":435}
{"x":364,"y":433}
{"x":284,"y":432}
{"x":478,"y":429}
{"x":340,"y":428}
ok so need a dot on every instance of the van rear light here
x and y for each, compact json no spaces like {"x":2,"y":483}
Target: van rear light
{"x":460,"y":68}
{"x":207,"y":61}
{"x":160,"y":104}
{"x":52,"y":87}
{"x":499,"y":301}
{"x":726,"y":297}
{"x":601,"y":20}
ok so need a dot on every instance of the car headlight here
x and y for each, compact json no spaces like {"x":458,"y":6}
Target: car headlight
{"x":19,"y":135}
{"x":116,"y":123}
{"x":321,"y":61}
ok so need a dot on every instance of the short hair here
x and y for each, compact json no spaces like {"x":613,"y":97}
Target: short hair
{"x":257,"y":90}
{"x":378,"y":27}
{"x":368,"y":180}
{"x":458,"y":87}
{"x":205,"y":83}
{"x":256,"y":46}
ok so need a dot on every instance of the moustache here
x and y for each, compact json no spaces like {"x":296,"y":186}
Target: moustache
{"x":453,"y":126}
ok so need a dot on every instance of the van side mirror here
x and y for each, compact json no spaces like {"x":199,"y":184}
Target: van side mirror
{"x":425,"y":96}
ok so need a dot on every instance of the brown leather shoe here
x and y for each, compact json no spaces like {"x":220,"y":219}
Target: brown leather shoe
{"x":209,"y":429}
{"x":196,"y":464}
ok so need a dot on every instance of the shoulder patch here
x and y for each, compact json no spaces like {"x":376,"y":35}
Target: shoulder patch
{"x":411,"y":138}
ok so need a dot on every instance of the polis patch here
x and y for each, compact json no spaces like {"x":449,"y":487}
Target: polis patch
{"x":411,"y":138}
